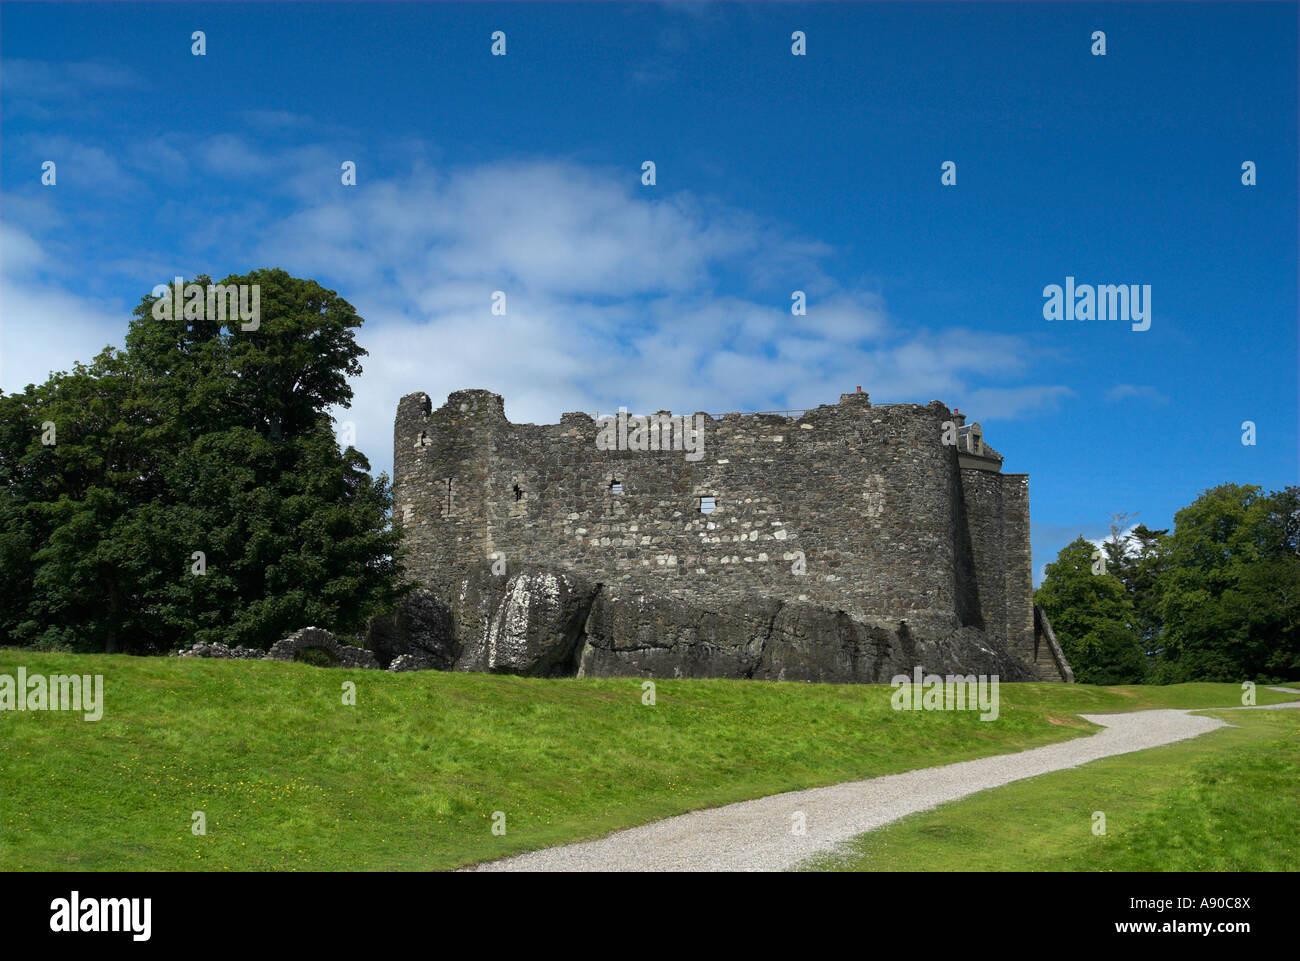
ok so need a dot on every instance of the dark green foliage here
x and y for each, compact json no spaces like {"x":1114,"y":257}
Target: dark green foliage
{"x":1138,"y":561}
{"x":1217,"y":600}
{"x":315,"y":656}
{"x":199,"y":437}
{"x":1093,"y":617}
{"x":1230,"y":599}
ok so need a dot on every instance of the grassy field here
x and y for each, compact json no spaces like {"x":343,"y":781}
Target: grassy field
{"x":290,"y":778}
{"x":1226,"y":801}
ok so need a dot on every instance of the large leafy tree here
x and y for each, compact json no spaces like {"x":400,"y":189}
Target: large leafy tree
{"x":194,"y":489}
{"x":1093,"y":617}
{"x":1216,"y":600}
{"x":1230,"y":598}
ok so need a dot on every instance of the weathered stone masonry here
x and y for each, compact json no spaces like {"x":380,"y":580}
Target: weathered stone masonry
{"x":543,"y":554}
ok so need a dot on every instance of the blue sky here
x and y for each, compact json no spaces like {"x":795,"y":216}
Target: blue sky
{"x":775,"y":173}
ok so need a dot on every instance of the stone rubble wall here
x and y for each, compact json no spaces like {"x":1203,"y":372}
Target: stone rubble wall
{"x":287,"y":649}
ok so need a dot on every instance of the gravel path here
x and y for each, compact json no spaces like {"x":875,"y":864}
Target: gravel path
{"x":759,"y":835}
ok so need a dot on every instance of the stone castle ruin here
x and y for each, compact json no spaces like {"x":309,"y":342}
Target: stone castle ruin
{"x":849,"y":543}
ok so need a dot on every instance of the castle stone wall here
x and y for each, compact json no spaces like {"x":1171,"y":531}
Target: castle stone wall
{"x":865,"y":493}
{"x":982,"y":497}
{"x":850,"y":507}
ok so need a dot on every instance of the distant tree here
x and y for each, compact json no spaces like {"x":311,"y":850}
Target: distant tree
{"x":1230,"y":596}
{"x":1093,"y":618}
{"x":1114,"y":546}
{"x":201,"y":447}
{"x":1137,"y":558}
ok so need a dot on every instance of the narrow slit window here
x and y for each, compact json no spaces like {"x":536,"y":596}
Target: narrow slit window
{"x":708,"y":505}
{"x":519,"y":493}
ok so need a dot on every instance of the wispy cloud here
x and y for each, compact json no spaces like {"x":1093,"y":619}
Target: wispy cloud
{"x":1006,"y":403}
{"x":44,"y":89}
{"x":1140,"y":392}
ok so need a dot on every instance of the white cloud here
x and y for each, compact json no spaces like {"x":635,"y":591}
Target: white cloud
{"x":611,"y":301}
{"x":53,"y":79}
{"x":1124,"y":392}
{"x":618,"y":295}
{"x":43,"y":327}
{"x":81,"y":165}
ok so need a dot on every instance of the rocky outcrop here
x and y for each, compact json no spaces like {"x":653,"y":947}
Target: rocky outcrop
{"x":538,"y":624}
{"x":420,"y":631}
{"x":527,"y":621}
{"x":777,"y":641}
{"x":544,"y":622}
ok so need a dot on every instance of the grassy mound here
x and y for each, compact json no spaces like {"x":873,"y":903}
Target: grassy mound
{"x":291,"y":778}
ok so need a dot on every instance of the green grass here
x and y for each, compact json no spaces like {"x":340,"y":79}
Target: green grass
{"x":1226,"y":801}
{"x":290,"y":778}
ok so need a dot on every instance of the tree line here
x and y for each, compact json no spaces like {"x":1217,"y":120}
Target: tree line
{"x":1215,"y":599}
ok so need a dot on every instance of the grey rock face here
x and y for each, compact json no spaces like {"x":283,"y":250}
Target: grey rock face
{"x":775,"y":640}
{"x":644,"y":635}
{"x":421,"y":630}
{"x":968,"y":650}
{"x":810,"y":643}
{"x":543,"y":622}
{"x":527,"y":621}
{"x":537,"y":624}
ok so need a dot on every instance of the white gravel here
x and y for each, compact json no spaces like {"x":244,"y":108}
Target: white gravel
{"x":759,"y":835}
